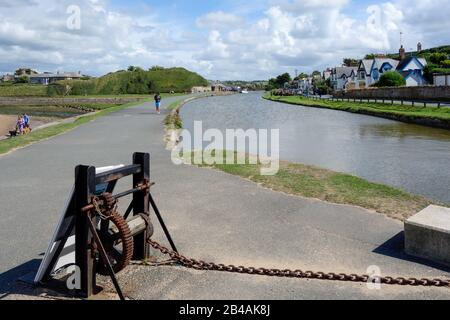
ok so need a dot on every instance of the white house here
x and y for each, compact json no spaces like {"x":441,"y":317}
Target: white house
{"x":412,"y":70}
{"x":370,"y":70}
{"x":343,"y":77}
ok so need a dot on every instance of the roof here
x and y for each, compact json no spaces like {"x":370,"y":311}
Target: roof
{"x":347,"y":71}
{"x":406,"y":61}
{"x":379,"y":62}
{"x":57,"y":75}
{"x":366,"y":64}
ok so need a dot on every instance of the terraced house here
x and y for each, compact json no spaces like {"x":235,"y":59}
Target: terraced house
{"x":369,"y":71}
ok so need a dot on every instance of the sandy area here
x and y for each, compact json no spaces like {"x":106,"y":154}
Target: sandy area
{"x":8,"y":123}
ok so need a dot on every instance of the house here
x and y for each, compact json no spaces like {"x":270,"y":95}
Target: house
{"x":326,"y":74}
{"x":7,"y":78}
{"x":201,"y":89}
{"x":218,"y":87}
{"x":441,"y":79}
{"x":370,"y":70}
{"x":50,"y":78}
{"x":342,"y":77}
{"x":411,"y":69}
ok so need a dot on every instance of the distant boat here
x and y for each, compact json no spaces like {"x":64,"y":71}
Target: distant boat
{"x":245,"y":91}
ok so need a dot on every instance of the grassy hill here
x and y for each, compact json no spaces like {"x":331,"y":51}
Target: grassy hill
{"x":22,"y":90}
{"x":426,"y":53}
{"x":137,"y":81}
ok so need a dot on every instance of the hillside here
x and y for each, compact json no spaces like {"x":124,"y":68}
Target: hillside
{"x":137,"y":81}
{"x":426,"y":53}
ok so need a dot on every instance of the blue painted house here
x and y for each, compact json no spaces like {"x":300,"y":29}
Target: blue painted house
{"x":370,"y":70}
{"x":412,"y":69}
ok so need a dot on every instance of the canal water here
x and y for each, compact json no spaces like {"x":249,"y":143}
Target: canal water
{"x":410,"y":157}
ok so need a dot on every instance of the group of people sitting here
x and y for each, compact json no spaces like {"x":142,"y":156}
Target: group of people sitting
{"x":22,"y":126}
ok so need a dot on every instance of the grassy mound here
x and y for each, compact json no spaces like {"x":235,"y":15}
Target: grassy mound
{"x":132,"y":82}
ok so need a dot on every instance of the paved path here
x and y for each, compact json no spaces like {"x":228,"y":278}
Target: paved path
{"x":212,"y":215}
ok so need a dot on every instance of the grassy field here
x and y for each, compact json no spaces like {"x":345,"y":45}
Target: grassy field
{"x":334,"y":187}
{"x":23,"y":90}
{"x":38,"y":135}
{"x":376,"y":109}
{"x":54,"y":111}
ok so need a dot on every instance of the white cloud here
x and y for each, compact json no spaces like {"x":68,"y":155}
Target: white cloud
{"x":219,"y":20}
{"x":286,"y":35}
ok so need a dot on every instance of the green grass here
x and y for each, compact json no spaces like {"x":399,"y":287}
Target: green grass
{"x":375,"y":109}
{"x":312,"y":182}
{"x":38,"y":135}
{"x":132,"y":82}
{"x":23,"y":91}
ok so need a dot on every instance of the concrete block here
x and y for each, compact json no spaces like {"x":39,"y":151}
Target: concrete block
{"x":427,"y":235}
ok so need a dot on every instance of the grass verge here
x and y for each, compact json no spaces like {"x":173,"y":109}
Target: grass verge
{"x":38,"y":135}
{"x":340,"y":188}
{"x":432,"y":116}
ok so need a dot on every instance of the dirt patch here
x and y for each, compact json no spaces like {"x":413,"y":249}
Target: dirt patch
{"x":7,"y":123}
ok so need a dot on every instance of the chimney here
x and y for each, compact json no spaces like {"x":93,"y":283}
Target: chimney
{"x":402,"y":53}
{"x":419,"y":47}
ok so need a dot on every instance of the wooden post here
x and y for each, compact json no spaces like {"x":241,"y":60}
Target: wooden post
{"x":84,"y":260}
{"x":141,"y":204}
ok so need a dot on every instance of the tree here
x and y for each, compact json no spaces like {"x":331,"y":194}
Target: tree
{"x":350,"y":62}
{"x":22,"y":79}
{"x":282,"y":79}
{"x":322,"y":87}
{"x":445,"y":64}
{"x":438,"y":58}
{"x":156,"y":68}
{"x":391,"y":79}
{"x":24,"y":71}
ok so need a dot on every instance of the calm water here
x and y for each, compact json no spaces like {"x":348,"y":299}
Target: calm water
{"x":409,"y":157}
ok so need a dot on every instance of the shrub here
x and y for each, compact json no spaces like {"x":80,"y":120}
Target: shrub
{"x":391,"y":79}
{"x":438,"y":57}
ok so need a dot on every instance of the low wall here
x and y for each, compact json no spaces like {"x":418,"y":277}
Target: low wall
{"x":12,"y":101}
{"x":427,"y":93}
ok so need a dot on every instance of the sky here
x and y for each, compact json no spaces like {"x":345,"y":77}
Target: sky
{"x":221,"y":40}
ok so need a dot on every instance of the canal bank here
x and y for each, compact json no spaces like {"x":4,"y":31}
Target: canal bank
{"x":407,"y":157}
{"x":427,"y":116}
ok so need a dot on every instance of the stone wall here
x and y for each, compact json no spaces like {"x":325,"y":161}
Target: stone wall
{"x":13,"y":101}
{"x":434,"y":93}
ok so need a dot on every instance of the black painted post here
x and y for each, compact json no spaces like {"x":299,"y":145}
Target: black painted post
{"x":84,"y":260}
{"x":141,"y":204}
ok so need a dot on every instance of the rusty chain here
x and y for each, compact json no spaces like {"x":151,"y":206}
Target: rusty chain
{"x":208,"y":266}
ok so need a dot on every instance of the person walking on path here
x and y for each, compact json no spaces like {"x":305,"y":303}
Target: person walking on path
{"x":158,"y":103}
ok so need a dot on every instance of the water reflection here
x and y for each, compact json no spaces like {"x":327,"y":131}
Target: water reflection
{"x":410,"y":157}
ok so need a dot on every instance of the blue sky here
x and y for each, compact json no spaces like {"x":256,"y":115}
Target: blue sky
{"x":228,"y":39}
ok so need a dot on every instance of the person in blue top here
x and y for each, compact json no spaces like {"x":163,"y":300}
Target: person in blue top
{"x":158,"y":103}
{"x":26,"y":118}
